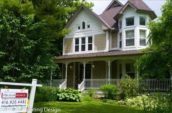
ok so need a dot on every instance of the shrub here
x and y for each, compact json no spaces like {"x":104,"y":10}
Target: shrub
{"x":68,"y":95}
{"x":91,"y":92}
{"x":44,"y":94}
{"x":110,"y":91}
{"x":128,"y":87}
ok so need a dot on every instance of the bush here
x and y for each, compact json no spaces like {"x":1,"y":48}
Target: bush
{"x":110,"y":91}
{"x":91,"y":92}
{"x":128,"y":87}
{"x":44,"y":94}
{"x":68,"y":95}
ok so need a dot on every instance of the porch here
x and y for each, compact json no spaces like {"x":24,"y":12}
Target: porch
{"x":94,"y":74}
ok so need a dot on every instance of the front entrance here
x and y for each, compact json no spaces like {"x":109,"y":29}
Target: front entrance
{"x":79,"y":73}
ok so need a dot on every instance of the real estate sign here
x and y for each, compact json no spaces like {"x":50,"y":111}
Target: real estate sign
{"x":13,"y":100}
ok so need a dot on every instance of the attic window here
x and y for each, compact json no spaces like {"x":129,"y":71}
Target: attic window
{"x":130,"y":21}
{"x":83,"y":25}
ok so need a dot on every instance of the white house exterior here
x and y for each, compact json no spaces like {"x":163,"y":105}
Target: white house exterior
{"x":100,"y":49}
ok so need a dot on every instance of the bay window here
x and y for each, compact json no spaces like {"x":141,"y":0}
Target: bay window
{"x":130,"y":38}
{"x":130,"y":21}
{"x":143,"y":38}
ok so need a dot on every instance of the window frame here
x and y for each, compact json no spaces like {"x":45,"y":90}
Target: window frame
{"x":90,"y":43}
{"x":132,"y":38}
{"x":77,"y":45}
{"x":140,"y":20}
{"x":141,"y":38}
{"x":129,"y":18}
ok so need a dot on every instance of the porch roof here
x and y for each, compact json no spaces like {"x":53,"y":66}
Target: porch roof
{"x":114,"y":53}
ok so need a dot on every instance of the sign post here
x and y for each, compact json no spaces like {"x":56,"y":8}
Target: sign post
{"x":16,"y":100}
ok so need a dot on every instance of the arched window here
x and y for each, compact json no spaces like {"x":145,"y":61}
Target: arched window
{"x":83,"y":25}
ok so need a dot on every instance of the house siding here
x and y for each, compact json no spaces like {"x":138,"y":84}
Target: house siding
{"x":114,"y":41}
{"x":99,"y":71}
{"x":68,"y":45}
{"x":100,"y":42}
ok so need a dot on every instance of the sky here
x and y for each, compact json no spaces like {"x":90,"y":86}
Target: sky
{"x":100,"y":5}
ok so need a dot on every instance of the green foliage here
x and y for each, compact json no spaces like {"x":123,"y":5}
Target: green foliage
{"x":91,"y":92}
{"x":128,"y":87}
{"x":45,"y":94}
{"x":154,"y":103}
{"x":70,"y":95}
{"x":110,"y":91}
{"x":157,"y":63}
{"x":31,"y":34}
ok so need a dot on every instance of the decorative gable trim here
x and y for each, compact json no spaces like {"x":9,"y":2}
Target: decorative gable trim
{"x":89,"y":11}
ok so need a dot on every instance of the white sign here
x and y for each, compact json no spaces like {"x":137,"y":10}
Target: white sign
{"x":13,"y":100}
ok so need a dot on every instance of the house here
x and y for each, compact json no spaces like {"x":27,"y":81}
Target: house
{"x":101,"y":49}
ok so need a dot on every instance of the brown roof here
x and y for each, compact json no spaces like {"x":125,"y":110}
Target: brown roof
{"x":109,"y":15}
{"x":141,"y":6}
{"x":101,"y":54}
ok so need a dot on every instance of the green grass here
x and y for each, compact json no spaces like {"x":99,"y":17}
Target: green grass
{"x":95,"y":106}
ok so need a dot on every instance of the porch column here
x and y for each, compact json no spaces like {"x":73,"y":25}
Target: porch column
{"x":84,"y":66}
{"x":109,"y":71}
{"x":66,"y":65}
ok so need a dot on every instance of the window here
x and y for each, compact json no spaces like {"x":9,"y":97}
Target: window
{"x":120,"y":24}
{"x":88,"y":26}
{"x":143,"y":37}
{"x":76,"y":44}
{"x":130,"y":21}
{"x":130,"y":38}
{"x":90,"y":43}
{"x":83,"y":44}
{"x":120,"y":40}
{"x":142,"y":20}
{"x":83,"y":25}
{"x":78,"y":27}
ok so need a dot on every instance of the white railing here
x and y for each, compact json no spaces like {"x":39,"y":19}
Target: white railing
{"x":156,"y":85}
{"x":63,"y":85}
{"x":81,"y":86}
{"x":97,"y":83}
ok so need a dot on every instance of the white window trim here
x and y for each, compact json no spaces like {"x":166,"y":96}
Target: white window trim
{"x":145,"y":37}
{"x":130,"y":38}
{"x":126,"y":21}
{"x":86,"y":45}
{"x":146,"y":21}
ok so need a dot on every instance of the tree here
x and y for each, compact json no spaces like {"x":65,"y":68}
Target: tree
{"x":31,"y":35}
{"x":157,"y":62}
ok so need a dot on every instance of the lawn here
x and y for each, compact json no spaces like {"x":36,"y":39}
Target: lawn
{"x":83,"y":107}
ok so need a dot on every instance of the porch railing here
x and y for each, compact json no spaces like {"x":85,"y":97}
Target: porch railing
{"x":63,"y":85}
{"x":97,"y":83}
{"x":154,"y":85}
{"x":81,"y":86}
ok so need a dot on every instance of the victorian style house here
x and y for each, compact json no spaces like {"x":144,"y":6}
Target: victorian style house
{"x":101,"y":49}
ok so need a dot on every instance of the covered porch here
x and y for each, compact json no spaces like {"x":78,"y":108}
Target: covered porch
{"x":90,"y":71}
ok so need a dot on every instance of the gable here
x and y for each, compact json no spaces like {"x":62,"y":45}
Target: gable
{"x":89,"y":19}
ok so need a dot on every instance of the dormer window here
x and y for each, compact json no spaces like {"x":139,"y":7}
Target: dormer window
{"x":83,"y":25}
{"x":142,"y":20}
{"x":130,"y":21}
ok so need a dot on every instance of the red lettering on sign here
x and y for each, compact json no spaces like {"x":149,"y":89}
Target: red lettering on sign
{"x":21,"y":95}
